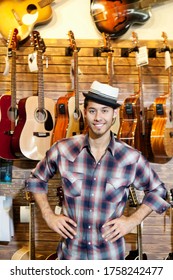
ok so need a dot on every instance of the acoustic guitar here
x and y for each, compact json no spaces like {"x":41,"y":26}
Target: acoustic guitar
{"x":32,"y":136}
{"x":60,"y":199}
{"x":28,"y":252}
{"x":75,"y":110}
{"x":8,"y":106}
{"x":162,"y":126}
{"x":129,"y":130}
{"x":67,"y":107}
{"x":116,"y":17}
{"x":138,"y":253}
{"x":23,"y":15}
{"x":107,"y":48}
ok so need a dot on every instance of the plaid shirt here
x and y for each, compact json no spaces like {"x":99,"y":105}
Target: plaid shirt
{"x":96,"y":192}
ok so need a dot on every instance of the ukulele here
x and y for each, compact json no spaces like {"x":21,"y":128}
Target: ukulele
{"x":23,"y":15}
{"x":75,"y":110}
{"x":33,"y":134}
{"x":8,"y":107}
{"x":116,"y":17}
{"x":138,"y":253}
{"x":129,"y":130}
{"x":162,"y":126}
{"x":28,"y":252}
{"x":107,"y":48}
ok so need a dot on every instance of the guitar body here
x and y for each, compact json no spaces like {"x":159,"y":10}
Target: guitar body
{"x":116,"y":17}
{"x":33,"y":134}
{"x":162,"y":129}
{"x":7,"y":121}
{"x":23,"y":15}
{"x":24,"y":254}
{"x":60,"y":128}
{"x":129,"y":115}
{"x":75,"y":126}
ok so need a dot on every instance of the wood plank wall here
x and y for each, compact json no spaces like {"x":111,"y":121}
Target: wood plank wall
{"x":157,"y":229}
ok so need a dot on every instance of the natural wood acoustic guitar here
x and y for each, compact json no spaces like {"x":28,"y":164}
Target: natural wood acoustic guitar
{"x":23,"y":15}
{"x":28,"y":252}
{"x":107,"y":48}
{"x":162,"y":126}
{"x":129,"y":130}
{"x":33,"y":133}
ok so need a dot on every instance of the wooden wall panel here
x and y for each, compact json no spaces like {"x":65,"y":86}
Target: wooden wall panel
{"x":157,"y":229}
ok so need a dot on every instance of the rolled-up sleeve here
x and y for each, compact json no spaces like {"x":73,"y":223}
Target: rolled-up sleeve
{"x":43,"y":172}
{"x":154,"y":189}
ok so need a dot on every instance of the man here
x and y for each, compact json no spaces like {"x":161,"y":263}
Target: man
{"x":96,"y":170}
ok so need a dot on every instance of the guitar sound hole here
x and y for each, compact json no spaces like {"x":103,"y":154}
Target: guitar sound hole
{"x":31,"y":9}
{"x":41,"y":115}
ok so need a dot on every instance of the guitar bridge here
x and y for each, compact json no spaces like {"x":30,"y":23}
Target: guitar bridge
{"x":41,"y":134}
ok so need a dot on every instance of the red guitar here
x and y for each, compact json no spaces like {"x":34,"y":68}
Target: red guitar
{"x":33,"y":134}
{"x":8,"y":108}
{"x":23,"y":15}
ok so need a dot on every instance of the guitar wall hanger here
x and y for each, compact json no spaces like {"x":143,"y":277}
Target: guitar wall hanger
{"x":98,"y":51}
{"x":69,"y":51}
{"x":126,"y":51}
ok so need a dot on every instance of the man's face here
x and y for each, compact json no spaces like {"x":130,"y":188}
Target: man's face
{"x":99,"y":118}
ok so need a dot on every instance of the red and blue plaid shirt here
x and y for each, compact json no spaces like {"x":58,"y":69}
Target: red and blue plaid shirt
{"x":96,"y":192}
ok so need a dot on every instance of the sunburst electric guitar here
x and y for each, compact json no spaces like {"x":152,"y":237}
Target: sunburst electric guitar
{"x":162,"y":126}
{"x":32,"y":136}
{"x":8,"y":107}
{"x":116,"y":17}
{"x":23,"y":15}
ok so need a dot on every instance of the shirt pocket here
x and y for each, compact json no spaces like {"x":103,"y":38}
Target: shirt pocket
{"x":117,"y":190}
{"x":72,"y":183}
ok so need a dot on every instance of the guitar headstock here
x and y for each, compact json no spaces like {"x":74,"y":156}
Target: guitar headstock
{"x":165,"y":42}
{"x":72,"y":40}
{"x":12,"y":41}
{"x":135,"y":41}
{"x":60,"y":195}
{"x":133,"y":201}
{"x":39,"y":44}
{"x":106,"y":43}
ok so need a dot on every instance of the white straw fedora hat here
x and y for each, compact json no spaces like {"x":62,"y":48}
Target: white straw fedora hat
{"x":103,"y":94}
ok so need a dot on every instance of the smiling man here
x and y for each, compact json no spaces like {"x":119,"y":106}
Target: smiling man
{"x":97,"y":170}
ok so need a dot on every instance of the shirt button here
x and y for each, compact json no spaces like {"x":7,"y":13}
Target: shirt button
{"x":92,"y":194}
{"x":89,"y":243}
{"x":94,"y":179}
{"x":89,"y":226}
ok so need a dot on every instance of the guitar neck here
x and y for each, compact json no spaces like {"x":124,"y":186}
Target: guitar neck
{"x":40,"y":81}
{"x":76,"y":84}
{"x":32,"y":232}
{"x":151,"y":3}
{"x":141,"y":100}
{"x":170,"y":92}
{"x":44,"y":3}
{"x":110,"y":68}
